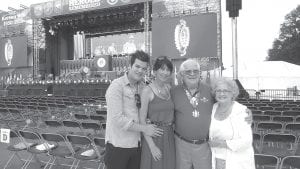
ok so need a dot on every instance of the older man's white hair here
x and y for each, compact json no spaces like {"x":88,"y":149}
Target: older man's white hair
{"x":183,"y":66}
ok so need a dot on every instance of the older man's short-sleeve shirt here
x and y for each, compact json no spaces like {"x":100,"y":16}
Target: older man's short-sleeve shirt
{"x":188,"y":126}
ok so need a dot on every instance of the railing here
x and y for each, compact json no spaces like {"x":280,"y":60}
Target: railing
{"x":271,"y":94}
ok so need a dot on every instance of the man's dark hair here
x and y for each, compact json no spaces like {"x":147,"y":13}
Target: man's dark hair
{"x":140,"y":55}
{"x":161,"y":62}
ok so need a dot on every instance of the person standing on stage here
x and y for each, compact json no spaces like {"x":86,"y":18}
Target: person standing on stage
{"x":158,"y":108}
{"x":129,"y":46}
{"x":111,"y":50}
{"x":123,"y":129}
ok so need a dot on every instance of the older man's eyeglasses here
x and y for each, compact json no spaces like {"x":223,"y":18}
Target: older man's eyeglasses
{"x":137,"y":98}
{"x":192,"y":72}
{"x":219,"y":91}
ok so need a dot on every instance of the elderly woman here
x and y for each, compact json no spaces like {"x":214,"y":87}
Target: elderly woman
{"x":230,"y":135}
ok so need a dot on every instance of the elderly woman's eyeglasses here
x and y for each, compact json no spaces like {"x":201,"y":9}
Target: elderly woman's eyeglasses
{"x":219,"y":91}
{"x":137,"y":98}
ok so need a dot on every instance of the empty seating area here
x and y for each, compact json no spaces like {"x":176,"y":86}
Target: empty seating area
{"x":276,"y":132}
{"x":53,"y":132}
{"x":68,"y":132}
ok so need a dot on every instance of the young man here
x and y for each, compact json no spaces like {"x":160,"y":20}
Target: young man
{"x":122,"y":135}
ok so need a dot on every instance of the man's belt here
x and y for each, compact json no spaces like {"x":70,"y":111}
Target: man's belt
{"x":162,"y":124}
{"x":200,"y":141}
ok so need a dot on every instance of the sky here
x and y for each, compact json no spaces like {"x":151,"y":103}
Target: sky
{"x":258,"y":25}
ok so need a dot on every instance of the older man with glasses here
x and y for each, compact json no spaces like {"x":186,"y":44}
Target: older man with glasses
{"x":123,"y":129}
{"x":193,"y":106}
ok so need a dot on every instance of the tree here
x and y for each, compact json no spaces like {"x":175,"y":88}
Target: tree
{"x":287,"y":46}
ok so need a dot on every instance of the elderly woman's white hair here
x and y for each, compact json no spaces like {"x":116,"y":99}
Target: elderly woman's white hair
{"x":231,"y":84}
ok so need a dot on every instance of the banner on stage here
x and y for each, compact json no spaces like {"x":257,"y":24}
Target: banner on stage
{"x":13,"y":52}
{"x":190,"y":36}
{"x":5,"y":135}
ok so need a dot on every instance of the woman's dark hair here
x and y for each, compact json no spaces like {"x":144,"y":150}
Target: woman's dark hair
{"x":140,"y":55}
{"x":161,"y":62}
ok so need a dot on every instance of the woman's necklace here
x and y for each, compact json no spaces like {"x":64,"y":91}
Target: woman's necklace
{"x":163,"y":91}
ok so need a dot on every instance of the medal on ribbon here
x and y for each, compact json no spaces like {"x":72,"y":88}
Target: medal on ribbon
{"x":194,"y":101}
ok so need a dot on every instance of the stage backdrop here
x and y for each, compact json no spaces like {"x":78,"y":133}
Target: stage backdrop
{"x":192,"y":36}
{"x":13,"y":52}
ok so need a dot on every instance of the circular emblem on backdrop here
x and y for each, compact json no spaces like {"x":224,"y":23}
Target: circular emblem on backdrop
{"x":101,"y":62}
{"x":8,"y":52}
{"x":112,"y":2}
{"x":182,"y":37}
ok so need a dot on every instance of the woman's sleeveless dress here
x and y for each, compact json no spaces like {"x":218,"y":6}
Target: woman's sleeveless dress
{"x":161,"y":113}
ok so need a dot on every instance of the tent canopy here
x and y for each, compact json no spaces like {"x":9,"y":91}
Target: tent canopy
{"x":267,"y":75}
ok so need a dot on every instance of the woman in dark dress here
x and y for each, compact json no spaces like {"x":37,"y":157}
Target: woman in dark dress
{"x":158,"y":108}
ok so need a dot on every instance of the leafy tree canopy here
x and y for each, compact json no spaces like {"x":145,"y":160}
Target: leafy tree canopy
{"x":287,"y":46}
